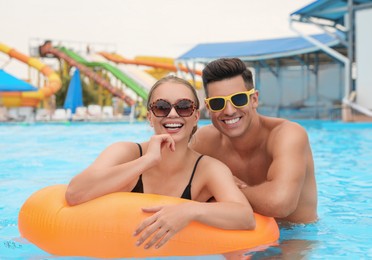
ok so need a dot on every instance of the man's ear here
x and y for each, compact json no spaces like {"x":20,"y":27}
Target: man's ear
{"x":206,"y":105}
{"x":254,"y":99}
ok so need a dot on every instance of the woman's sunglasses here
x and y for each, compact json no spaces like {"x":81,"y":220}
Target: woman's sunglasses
{"x":238,"y":100}
{"x":183,"y":107}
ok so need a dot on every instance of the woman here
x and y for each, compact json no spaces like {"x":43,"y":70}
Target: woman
{"x":166,"y":165}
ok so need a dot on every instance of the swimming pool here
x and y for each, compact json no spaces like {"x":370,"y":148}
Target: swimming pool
{"x":38,"y":155}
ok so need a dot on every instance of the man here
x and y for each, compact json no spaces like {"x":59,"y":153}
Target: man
{"x":270,"y":158}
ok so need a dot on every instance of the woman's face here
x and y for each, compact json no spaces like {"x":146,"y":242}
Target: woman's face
{"x":179,"y":126}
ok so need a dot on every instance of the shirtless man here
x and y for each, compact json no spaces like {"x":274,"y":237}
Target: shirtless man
{"x":271,"y":158}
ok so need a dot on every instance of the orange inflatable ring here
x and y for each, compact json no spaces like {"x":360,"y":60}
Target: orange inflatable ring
{"x":104,"y":227}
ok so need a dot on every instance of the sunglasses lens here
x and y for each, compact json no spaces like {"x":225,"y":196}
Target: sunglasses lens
{"x":161,"y":108}
{"x":239,"y":100}
{"x":216,"y":103}
{"x":184,"y":107}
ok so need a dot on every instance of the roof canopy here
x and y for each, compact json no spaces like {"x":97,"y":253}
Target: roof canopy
{"x":11,"y":83}
{"x":330,"y":10}
{"x":256,"y":50}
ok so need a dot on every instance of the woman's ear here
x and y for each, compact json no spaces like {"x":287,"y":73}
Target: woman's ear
{"x":197,"y":116}
{"x":149,"y":118}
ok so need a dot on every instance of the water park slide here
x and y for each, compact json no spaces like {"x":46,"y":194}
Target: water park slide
{"x":47,"y":48}
{"x":30,"y":98}
{"x":117,"y":73}
{"x":134,"y":72}
{"x":161,"y":65}
{"x":143,"y":78}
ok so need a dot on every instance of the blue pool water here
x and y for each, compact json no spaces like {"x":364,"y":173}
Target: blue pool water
{"x":35,"y":156}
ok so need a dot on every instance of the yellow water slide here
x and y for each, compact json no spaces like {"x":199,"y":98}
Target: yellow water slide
{"x":161,"y":66}
{"x":30,"y":98}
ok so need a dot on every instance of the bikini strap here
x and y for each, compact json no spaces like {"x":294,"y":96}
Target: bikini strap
{"x":139,"y":185}
{"x":187,"y":192}
{"x":140,"y":149}
{"x":193,"y":171}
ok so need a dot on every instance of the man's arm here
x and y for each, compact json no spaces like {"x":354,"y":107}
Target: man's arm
{"x":279,"y":195}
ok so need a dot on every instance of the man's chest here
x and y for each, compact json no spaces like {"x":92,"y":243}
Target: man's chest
{"x":251,"y":169}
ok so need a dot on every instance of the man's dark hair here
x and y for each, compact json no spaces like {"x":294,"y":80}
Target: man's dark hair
{"x":226,"y":68}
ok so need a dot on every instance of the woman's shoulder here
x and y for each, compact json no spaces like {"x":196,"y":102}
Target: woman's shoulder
{"x":121,"y":145}
{"x":123,"y":148}
{"x":212,"y":165}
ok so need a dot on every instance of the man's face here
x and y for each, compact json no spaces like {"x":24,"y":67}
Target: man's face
{"x":232,"y":120}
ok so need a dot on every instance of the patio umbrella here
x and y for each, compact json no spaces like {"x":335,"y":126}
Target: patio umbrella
{"x":74,"y":97}
{"x":9,"y":83}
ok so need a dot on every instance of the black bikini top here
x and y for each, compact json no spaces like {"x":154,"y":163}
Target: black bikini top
{"x":186,"y":193}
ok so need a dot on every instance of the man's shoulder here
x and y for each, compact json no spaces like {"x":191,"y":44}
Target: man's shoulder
{"x":207,"y":131}
{"x":283,"y":131}
{"x":290,"y":127}
{"x":205,"y":137}
{"x":281,"y":125}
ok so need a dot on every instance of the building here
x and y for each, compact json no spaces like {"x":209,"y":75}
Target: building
{"x":322,"y":76}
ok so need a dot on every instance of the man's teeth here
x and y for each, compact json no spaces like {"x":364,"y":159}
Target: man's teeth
{"x":232,"y":121}
{"x":174,"y":125}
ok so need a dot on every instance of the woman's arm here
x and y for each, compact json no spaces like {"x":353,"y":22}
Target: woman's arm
{"x":231,"y":211}
{"x":115,"y":169}
{"x":105,"y":174}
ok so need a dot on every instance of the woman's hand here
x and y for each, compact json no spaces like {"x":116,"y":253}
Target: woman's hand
{"x":163,"y":224}
{"x":157,"y":143}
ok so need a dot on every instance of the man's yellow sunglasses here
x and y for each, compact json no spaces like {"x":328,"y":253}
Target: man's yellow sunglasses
{"x":238,"y":100}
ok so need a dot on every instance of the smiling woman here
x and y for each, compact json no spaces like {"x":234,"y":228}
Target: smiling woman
{"x":165,"y":165}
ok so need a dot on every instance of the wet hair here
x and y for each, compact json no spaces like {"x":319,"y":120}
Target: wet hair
{"x":174,"y":79}
{"x":226,"y":68}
